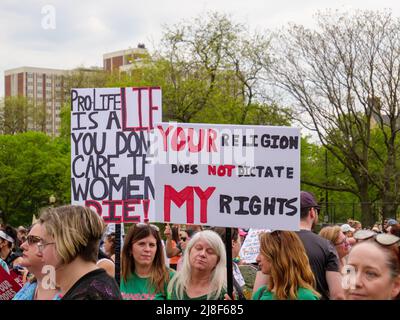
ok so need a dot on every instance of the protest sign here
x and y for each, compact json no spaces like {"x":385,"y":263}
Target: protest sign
{"x":10,"y":284}
{"x":229,"y":176}
{"x":110,"y":130}
{"x":251,"y":246}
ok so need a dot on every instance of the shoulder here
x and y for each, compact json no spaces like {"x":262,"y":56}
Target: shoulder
{"x":26,"y":292}
{"x":95,"y":285}
{"x":259,"y":293}
{"x":306,"y":294}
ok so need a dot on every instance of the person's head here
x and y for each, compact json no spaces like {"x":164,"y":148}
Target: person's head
{"x":309,"y":209}
{"x":235,"y":238}
{"x":68,"y":233}
{"x":335,"y":235}
{"x":375,"y":269}
{"x":8,"y":236}
{"x":32,"y":257}
{"x":357,"y":225}
{"x":390,"y":223}
{"x":347,"y":230}
{"x":143,"y":249}
{"x":109,"y":244}
{"x":184,"y":236}
{"x":205,"y":256}
{"x":191,"y":229}
{"x":283,"y":257}
{"x":395,"y":229}
{"x":21,"y":233}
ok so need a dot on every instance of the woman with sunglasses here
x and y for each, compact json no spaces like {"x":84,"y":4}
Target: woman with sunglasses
{"x":335,"y":235}
{"x":373,"y":268}
{"x":203,"y":274}
{"x":283,"y":257}
{"x":69,"y":242}
{"x":34,"y":288}
{"x":144,"y":273}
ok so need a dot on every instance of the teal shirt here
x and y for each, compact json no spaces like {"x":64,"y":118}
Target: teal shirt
{"x":137,"y":288}
{"x":264,"y":294}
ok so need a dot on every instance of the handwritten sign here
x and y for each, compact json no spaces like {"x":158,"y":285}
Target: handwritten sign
{"x":110,"y":129}
{"x":251,"y":246}
{"x":228,"y":176}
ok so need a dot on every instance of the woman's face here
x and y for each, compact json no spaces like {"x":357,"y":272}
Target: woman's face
{"x":236,"y":244}
{"x":202,"y":257}
{"x":31,"y":257}
{"x":108,"y":246}
{"x":264,"y":264}
{"x":342,"y":245}
{"x":47,"y":248}
{"x":373,"y":280}
{"x":144,"y":251}
{"x":183,"y":236}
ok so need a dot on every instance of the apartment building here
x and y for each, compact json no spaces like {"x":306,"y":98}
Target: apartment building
{"x":43,"y":87}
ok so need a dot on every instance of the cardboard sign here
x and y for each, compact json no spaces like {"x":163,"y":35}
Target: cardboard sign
{"x":228,"y":176}
{"x":110,"y":129}
{"x":251,"y":246}
{"x":10,"y":284}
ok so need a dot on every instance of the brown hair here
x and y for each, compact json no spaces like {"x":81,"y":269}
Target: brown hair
{"x":331,"y":233}
{"x":290,"y":267}
{"x":159,"y":274}
{"x":76,"y":230}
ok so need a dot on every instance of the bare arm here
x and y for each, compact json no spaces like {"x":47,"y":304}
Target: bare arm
{"x":334,"y":280}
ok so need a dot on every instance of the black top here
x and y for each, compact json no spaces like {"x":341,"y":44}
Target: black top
{"x":95,"y":285}
{"x":322,"y":256}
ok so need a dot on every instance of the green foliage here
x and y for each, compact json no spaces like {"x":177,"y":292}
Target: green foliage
{"x":32,"y":167}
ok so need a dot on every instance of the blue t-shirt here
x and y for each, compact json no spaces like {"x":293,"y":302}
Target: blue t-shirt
{"x":27,"y":292}
{"x":4,"y":265}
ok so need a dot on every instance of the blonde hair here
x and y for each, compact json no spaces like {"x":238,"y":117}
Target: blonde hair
{"x":330,"y":233}
{"x":76,"y":230}
{"x":181,"y":280}
{"x":290,"y":267}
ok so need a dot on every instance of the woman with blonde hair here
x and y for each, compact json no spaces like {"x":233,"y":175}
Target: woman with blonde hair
{"x":335,"y":235}
{"x":283,"y":257}
{"x":203,"y":273}
{"x":68,"y":239}
{"x":144,"y":274}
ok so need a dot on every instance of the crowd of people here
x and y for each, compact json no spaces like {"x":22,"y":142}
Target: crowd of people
{"x":67,"y":255}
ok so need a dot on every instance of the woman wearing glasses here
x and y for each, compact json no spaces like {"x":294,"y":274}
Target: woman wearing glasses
{"x":203,"y":274}
{"x":373,"y":267}
{"x":335,"y":235}
{"x":283,"y":257}
{"x":144,"y":275}
{"x":70,"y":237}
{"x":34,"y":288}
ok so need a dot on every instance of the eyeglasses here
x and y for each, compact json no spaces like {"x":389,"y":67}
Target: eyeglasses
{"x":142,"y":225}
{"x":344,"y":241}
{"x":33,"y":239}
{"x":384,"y":239}
{"x":38,"y":241}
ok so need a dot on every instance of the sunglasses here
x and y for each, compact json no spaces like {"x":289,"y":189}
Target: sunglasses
{"x":142,"y":225}
{"x":344,"y":241}
{"x":384,"y":239}
{"x":38,"y":241}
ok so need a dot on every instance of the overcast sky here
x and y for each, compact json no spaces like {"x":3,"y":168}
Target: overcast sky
{"x":84,"y":30}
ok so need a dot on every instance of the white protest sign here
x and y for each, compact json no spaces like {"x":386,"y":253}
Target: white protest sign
{"x":227,"y":175}
{"x":110,"y":131}
{"x":251,"y":246}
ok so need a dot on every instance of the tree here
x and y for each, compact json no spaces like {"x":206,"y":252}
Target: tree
{"x":32,"y":167}
{"x":343,"y":75}
{"x":210,"y":70}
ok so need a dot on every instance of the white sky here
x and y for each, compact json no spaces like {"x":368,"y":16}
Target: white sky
{"x":85,"y":29}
